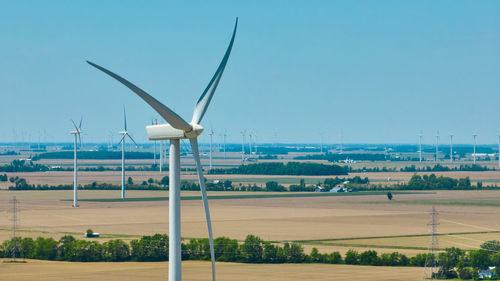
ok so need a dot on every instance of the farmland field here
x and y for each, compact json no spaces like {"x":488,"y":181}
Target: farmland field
{"x":198,"y":271}
{"x":325,"y":222}
{"x":329,"y":222}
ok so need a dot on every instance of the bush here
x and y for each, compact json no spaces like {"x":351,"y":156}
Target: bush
{"x":351,"y":257}
{"x":116,"y":250}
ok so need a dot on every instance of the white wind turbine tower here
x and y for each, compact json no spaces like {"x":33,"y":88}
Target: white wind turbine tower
{"x":77,"y":133}
{"x":451,"y":148}
{"x":176,"y":130}
{"x":255,"y":144}
{"x":243,"y":146}
{"x":437,"y":146}
{"x":225,"y":136}
{"x":211,"y":134}
{"x":420,"y":145}
{"x":250,"y":144}
{"x":474,"y":155}
{"x":124,"y":134}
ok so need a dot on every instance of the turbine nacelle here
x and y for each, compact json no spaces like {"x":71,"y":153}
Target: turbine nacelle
{"x":167,"y":132}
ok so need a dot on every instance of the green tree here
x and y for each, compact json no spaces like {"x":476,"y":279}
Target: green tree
{"x":228,"y":184}
{"x":226,"y":249}
{"x":369,"y":258}
{"x":45,"y":249}
{"x":492,"y":246}
{"x":164,"y":180}
{"x":273,"y":253}
{"x":150,"y":248}
{"x":252,"y":249}
{"x":294,"y":253}
{"x":479,"y":259}
{"x":274,"y":186}
{"x":116,"y":250}
{"x":351,"y":257}
{"x":334,"y":258}
{"x":130,"y":181}
{"x":389,"y":195}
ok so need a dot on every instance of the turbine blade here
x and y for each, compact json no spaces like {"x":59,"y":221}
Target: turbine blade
{"x":76,"y":128}
{"x":206,"y":97}
{"x":80,"y":126}
{"x":125,"y":118}
{"x":171,"y":117}
{"x":130,"y":137}
{"x":199,"y":169}
{"x":122,"y":139}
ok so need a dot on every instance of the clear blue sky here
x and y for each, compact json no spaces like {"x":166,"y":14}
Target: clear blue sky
{"x":379,"y":71}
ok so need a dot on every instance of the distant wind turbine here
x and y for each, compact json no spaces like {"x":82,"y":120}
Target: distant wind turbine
{"x":451,"y":148}
{"x":250,"y":143}
{"x":243,"y":146}
{"x":420,"y":145}
{"x":437,"y":146}
{"x":77,"y":133}
{"x":474,"y":155}
{"x":124,"y":134}
{"x":211,"y":134}
{"x":176,"y":130}
{"x":225,"y":136}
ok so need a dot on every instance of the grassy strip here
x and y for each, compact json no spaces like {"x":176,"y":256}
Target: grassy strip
{"x":392,"y":236}
{"x":251,"y":196}
{"x":375,"y":246}
{"x":458,"y":202}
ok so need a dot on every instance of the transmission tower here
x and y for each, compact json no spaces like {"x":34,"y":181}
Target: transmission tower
{"x":431,"y":265}
{"x":14,"y":219}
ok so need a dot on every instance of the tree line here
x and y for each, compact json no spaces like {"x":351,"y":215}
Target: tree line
{"x":290,"y":168}
{"x":155,"y":248}
{"x":431,"y":181}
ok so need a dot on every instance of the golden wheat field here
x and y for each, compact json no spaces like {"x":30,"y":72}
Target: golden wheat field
{"x":356,"y":221}
{"x":197,"y":271}
{"x":340,"y":222}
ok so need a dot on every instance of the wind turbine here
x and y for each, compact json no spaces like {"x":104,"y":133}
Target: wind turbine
{"x":211,"y":134}
{"x":255,"y":144}
{"x":437,"y":146}
{"x":341,"y":143}
{"x":243,"y":146}
{"x":474,"y":155}
{"x":124,"y":134}
{"x":176,"y":130}
{"x":321,"y":147}
{"x":451,"y":148}
{"x":225,"y":135}
{"x":250,"y":143}
{"x":77,"y":133}
{"x":420,"y":145}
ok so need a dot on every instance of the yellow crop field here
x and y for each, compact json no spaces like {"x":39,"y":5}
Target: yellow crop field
{"x":337,"y":223}
{"x":198,"y":271}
